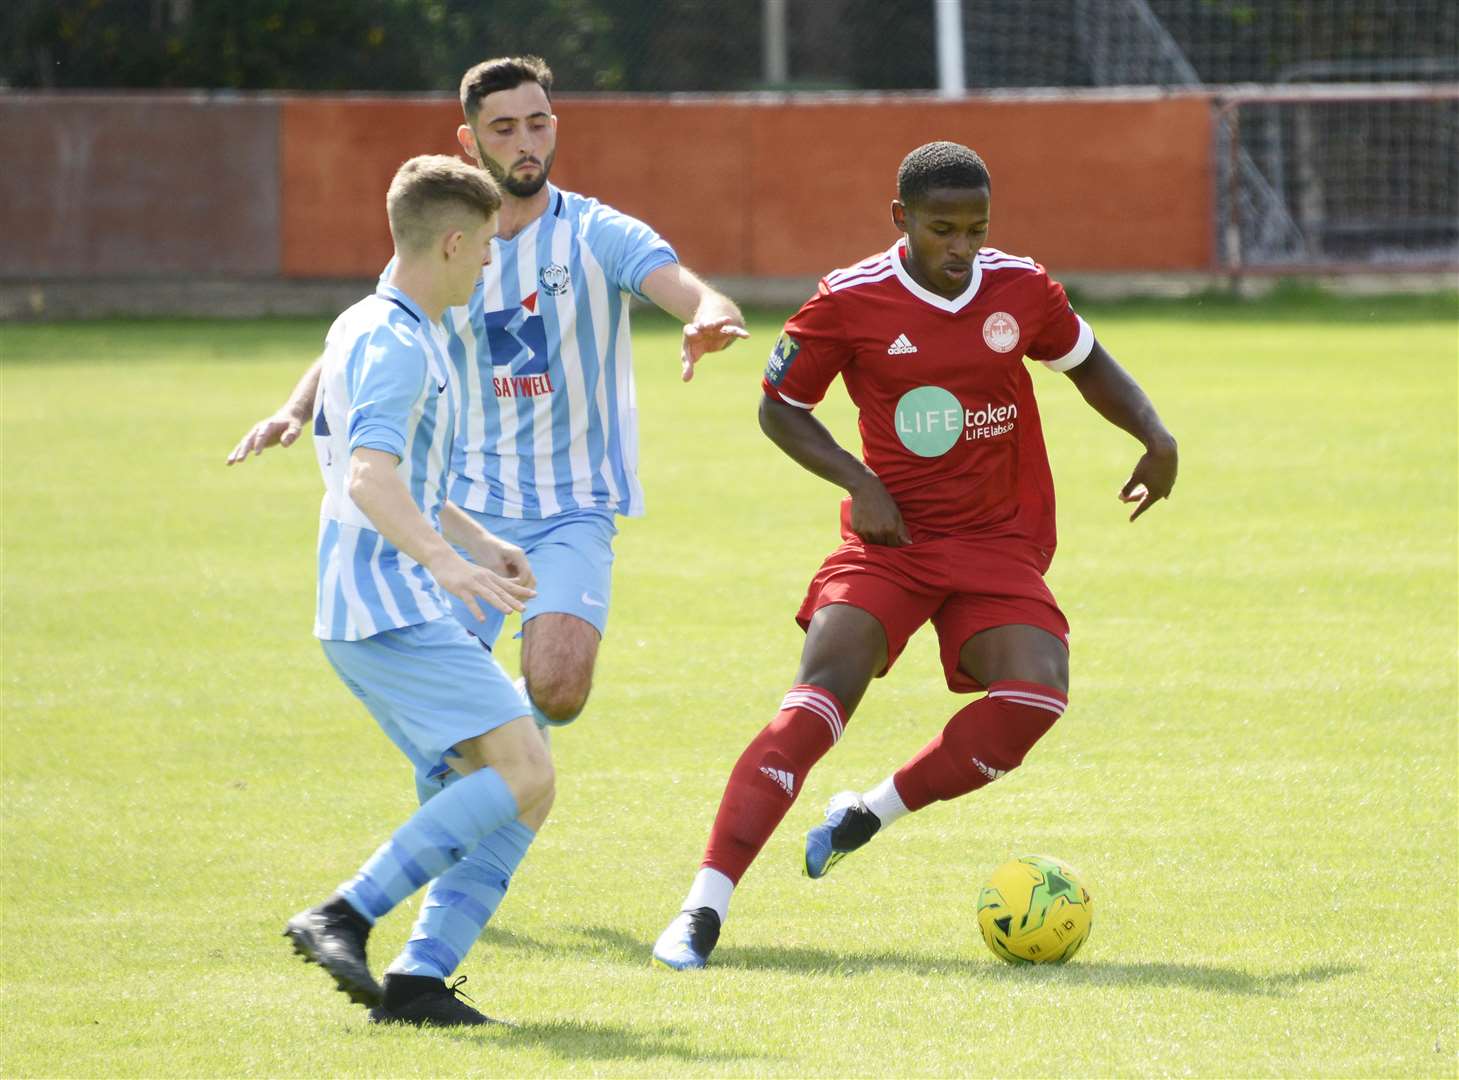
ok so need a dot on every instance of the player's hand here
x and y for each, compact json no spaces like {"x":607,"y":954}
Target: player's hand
{"x":875,"y":517}
{"x":280,"y":429}
{"x":504,"y":559}
{"x":476,"y":585}
{"x":707,"y":337}
{"x":1153,"y":478}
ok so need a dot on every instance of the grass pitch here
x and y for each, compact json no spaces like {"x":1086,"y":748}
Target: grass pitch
{"x":1257,"y":776}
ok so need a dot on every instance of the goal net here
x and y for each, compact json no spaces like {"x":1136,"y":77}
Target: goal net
{"x":1328,"y":177}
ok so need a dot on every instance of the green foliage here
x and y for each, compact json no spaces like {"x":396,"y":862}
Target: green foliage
{"x":381,"y":45}
{"x":1250,"y":41}
{"x":1259,"y":755}
{"x":674,"y":45}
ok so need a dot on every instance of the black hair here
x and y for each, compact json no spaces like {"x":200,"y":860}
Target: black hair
{"x":940,"y":165}
{"x":503,"y":73}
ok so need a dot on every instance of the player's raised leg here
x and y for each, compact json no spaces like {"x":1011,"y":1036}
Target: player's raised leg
{"x":559,"y":653}
{"x":563,"y":625}
{"x":1026,"y":672}
{"x":845,"y":646}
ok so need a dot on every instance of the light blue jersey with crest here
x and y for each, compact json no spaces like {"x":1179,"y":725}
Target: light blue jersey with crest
{"x":549,"y":417}
{"x":386,"y":383}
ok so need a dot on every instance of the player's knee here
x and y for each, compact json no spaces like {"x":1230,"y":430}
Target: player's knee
{"x":1025,"y":716}
{"x":535,"y":816}
{"x":529,"y":773}
{"x":533,"y":782}
{"x":1048,"y":668}
{"x":1054,"y":673}
{"x":1016,"y":653}
{"x":991,"y":737}
{"x":559,"y":698}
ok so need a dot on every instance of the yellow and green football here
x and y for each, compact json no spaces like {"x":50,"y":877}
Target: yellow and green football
{"x":1034,"y":910}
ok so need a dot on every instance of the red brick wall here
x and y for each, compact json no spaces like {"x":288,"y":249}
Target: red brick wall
{"x":295,"y":185}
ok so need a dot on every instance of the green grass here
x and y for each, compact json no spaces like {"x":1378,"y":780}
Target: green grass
{"x":1257,"y":776}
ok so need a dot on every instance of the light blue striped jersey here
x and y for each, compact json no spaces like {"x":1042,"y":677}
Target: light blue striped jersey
{"x":549,"y":421}
{"x":387,"y":384}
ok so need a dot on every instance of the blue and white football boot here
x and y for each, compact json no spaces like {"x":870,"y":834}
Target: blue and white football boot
{"x":848,"y":825}
{"x":687,"y":942}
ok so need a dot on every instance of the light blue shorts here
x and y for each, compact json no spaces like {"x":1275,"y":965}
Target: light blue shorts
{"x":428,"y":686}
{"x":571,"y":555}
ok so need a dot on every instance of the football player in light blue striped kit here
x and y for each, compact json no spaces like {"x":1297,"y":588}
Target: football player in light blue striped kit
{"x":384,"y":425}
{"x":548,"y":449}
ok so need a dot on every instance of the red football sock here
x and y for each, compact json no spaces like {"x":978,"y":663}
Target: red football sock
{"x":980,"y":743}
{"x":769,"y":775}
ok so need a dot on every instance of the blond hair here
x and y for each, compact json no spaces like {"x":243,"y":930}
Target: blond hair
{"x":433,"y":194}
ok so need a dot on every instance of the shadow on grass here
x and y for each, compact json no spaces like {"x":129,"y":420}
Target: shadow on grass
{"x":583,"y":1039}
{"x":607,"y":943}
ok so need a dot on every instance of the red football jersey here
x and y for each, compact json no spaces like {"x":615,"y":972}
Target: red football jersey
{"x":947,"y":413}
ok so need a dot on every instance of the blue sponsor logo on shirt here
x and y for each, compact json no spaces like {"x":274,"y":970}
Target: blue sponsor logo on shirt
{"x":518,"y":340}
{"x":780,"y":359}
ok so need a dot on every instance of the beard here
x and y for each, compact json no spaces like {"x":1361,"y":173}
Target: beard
{"x":521,"y":189}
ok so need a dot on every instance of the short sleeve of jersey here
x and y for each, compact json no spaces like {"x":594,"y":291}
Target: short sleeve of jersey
{"x":384,"y":375}
{"x":626,"y":248}
{"x":810,"y":353}
{"x":335,"y":329}
{"x":1064,"y":340}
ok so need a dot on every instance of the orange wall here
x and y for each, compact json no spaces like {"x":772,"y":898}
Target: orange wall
{"x":138,"y":185}
{"x":773,"y":189}
{"x":336,"y":158}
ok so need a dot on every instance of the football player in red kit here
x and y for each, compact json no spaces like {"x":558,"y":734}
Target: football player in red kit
{"x":949,"y":517}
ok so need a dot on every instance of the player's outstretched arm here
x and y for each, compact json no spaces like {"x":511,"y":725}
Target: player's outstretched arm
{"x":485,"y":548}
{"x":376,"y":488}
{"x":283,"y":427}
{"x":712,"y":321}
{"x":1118,"y":398}
{"x":874,"y":514}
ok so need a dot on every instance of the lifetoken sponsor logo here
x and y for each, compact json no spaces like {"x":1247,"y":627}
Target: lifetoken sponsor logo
{"x":988,"y":421}
{"x":1000,"y":332}
{"x":930,"y":420}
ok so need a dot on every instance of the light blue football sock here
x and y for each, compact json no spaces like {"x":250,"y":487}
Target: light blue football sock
{"x":436,"y":837}
{"x":461,"y":901}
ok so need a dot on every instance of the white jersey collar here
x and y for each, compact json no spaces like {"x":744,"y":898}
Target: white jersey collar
{"x":962,"y":300}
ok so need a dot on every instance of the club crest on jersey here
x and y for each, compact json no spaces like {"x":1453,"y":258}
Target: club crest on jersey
{"x":780,"y":359}
{"x":1000,"y":332}
{"x":554,"y":279}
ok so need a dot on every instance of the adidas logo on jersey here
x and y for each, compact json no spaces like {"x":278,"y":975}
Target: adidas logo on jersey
{"x":781,"y":777}
{"x":901,"y":346}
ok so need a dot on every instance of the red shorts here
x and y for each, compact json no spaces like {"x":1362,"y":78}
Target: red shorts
{"x":964,"y":585}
